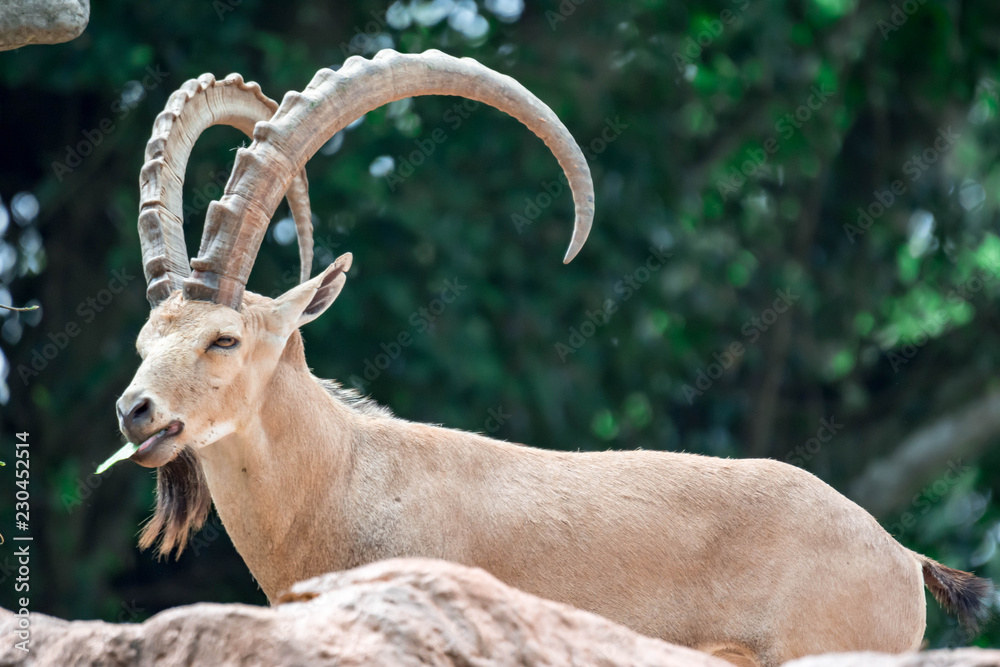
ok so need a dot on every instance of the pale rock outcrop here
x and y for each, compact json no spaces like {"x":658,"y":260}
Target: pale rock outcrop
{"x":964,"y":657}
{"x":404,"y":612}
{"x":26,"y":22}
{"x":398,"y":612}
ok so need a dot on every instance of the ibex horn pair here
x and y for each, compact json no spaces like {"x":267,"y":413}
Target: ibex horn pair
{"x":196,"y":106}
{"x":286,"y":140}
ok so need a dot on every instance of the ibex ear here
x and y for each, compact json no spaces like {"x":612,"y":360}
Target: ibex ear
{"x":306,"y":302}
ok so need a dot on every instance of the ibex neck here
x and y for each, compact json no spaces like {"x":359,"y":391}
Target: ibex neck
{"x":277,"y":480}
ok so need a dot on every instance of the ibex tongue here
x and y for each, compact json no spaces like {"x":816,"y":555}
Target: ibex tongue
{"x":148,"y":442}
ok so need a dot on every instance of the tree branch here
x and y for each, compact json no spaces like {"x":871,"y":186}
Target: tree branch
{"x":887,"y":484}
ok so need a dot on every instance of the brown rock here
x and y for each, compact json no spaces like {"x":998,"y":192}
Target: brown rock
{"x":393,"y":613}
{"x":399,"y":612}
{"x":25,"y":22}
{"x":963,"y":657}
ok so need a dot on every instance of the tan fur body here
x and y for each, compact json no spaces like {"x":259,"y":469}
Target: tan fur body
{"x":687,"y":548}
{"x":754,"y":560}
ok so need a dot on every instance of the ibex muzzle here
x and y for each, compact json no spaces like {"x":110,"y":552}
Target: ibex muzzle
{"x":755,"y":561}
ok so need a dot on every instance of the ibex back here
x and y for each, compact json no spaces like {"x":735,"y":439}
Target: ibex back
{"x":755,"y":561}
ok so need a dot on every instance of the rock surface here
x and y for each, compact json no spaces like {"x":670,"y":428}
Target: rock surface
{"x":400,"y":613}
{"x":25,"y":22}
{"x":963,"y":657}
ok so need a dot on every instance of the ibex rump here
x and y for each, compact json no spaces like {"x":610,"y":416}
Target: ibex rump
{"x":756,"y":561}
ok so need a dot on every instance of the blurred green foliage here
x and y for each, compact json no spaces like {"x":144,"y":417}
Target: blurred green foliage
{"x":755,"y":142}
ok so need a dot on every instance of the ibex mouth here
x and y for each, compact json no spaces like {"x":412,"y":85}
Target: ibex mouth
{"x":172,"y":429}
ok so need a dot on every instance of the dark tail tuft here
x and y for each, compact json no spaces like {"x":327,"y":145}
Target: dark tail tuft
{"x":960,"y":593}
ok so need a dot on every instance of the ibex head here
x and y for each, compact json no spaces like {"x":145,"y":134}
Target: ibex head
{"x":209,"y":350}
{"x":205,"y":366}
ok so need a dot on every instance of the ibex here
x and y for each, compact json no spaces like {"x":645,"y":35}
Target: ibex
{"x":755,"y":561}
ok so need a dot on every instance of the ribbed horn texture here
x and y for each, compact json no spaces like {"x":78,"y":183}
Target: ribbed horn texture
{"x":235,"y":225}
{"x":197,"y":105}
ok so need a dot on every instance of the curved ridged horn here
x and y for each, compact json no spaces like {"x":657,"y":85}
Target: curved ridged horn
{"x":235,"y":225}
{"x":197,"y":105}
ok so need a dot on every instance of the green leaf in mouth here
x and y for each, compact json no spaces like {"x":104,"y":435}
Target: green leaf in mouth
{"x":128,"y":450}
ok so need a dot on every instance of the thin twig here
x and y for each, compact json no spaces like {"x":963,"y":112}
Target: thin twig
{"x":27,"y":309}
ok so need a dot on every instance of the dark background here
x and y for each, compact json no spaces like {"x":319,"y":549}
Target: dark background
{"x":891,"y":335}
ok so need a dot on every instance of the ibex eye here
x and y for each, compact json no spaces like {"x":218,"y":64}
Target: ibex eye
{"x":225,"y":342}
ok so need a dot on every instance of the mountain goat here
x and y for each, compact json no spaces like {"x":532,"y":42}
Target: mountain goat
{"x":753,"y":560}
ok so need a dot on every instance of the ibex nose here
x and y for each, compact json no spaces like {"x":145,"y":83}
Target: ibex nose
{"x":135,"y":412}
